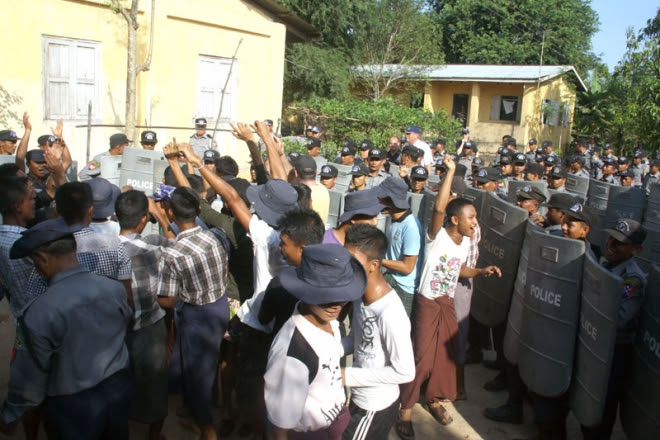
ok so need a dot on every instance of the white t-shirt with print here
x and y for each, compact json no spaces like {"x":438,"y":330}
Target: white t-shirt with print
{"x":442,"y":265}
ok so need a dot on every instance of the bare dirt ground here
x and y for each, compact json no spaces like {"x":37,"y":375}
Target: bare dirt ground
{"x":469,"y":423}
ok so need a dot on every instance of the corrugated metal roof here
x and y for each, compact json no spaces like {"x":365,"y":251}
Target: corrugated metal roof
{"x":483,"y":72}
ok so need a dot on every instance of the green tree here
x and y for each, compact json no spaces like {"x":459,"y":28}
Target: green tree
{"x":512,"y":32}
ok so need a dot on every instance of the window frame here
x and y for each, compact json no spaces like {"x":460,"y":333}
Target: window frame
{"x":232,"y":87}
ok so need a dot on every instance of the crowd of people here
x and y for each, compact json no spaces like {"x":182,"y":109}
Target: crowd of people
{"x":243,"y":290}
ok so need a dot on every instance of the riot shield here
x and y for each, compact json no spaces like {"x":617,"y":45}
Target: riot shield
{"x":502,"y":233}
{"x":110,"y":168}
{"x":578,"y":197}
{"x":415,"y":202}
{"x":158,"y":173}
{"x":476,"y":196}
{"x":601,"y":294}
{"x":577,"y":185}
{"x":384,"y":222}
{"x":426,"y":209}
{"x":515,"y":185}
{"x":433,"y":178}
{"x":625,"y":202}
{"x":640,"y":409}
{"x":650,"y":254}
{"x":652,"y":215}
{"x":598,"y":194}
{"x":514,"y":319}
{"x":336,"y":207}
{"x":550,"y":313}
{"x":137,"y":169}
{"x":343,"y":177}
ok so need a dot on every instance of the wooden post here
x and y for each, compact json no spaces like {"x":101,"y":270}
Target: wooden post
{"x":89,"y":130}
{"x":224,"y":88}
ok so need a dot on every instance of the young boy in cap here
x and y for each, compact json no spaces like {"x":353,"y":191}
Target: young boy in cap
{"x":328,"y":176}
{"x":403,"y":259}
{"x":418,"y":178}
{"x":148,"y":140}
{"x":146,"y":338}
{"x":192,"y":281}
{"x":77,"y":362}
{"x":303,"y":390}
{"x":379,"y":340}
{"x":434,"y":323}
{"x":360,"y":207}
{"x":359,"y":174}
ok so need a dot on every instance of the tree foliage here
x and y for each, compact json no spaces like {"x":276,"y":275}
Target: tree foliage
{"x":356,"y":32}
{"x":624,"y":108}
{"x":511,"y":32}
{"x":377,"y":120}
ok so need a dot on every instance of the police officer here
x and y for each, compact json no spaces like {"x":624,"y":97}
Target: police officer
{"x":576,"y":164}
{"x":347,"y":154}
{"x":531,"y":152}
{"x":148,"y":140}
{"x":557,"y":178}
{"x":314,"y":150}
{"x":637,"y":168}
{"x":608,"y":171}
{"x":554,"y":217}
{"x":626,"y":178}
{"x":377,"y":173}
{"x":583,"y":153}
{"x":201,"y":140}
{"x":548,"y":148}
{"x":624,"y":241}
{"x":652,"y":177}
{"x":118,"y":142}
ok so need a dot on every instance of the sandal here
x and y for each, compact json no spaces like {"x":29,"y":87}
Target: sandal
{"x":439,"y":413}
{"x":404,"y":429}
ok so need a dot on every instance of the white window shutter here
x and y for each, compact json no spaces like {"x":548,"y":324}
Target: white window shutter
{"x":85,"y":80}
{"x":495,"y":103}
{"x":58,"y":86}
{"x":212,"y":75}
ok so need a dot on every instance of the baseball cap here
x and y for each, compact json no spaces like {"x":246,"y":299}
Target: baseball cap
{"x":377,"y":153}
{"x":419,"y":172}
{"x":551,"y":161}
{"x":36,"y":156}
{"x":366,"y":144}
{"x":576,"y":159}
{"x":465,"y":131}
{"x":627,"y":230}
{"x":200,"y":122}
{"x":119,"y":139}
{"x":582,"y":213}
{"x":608,"y":161}
{"x":505,"y":159}
{"x":539,"y":157}
{"x":623,"y":160}
{"x":305,"y":166}
{"x":558,"y":171}
{"x":293,"y":157}
{"x":532,"y":141}
{"x":148,"y":137}
{"x":317,"y":129}
{"x":561,"y":201}
{"x":8,"y":135}
{"x":531,"y":192}
{"x":360,"y":170}
{"x":348,"y":150}
{"x":519,"y":158}
{"x":328,"y":171}
{"x":487,"y":174}
{"x":625,"y":173}
{"x":547,"y":144}
{"x":348,"y":142}
{"x":534,"y":168}
{"x":511,"y":141}
{"x":211,"y":155}
{"x":43,"y":139}
{"x":313,"y":143}
{"x":413,"y":129}
{"x":477,"y":162}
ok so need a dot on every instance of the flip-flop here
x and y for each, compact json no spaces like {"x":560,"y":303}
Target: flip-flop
{"x":404,"y":429}
{"x":440,"y":414}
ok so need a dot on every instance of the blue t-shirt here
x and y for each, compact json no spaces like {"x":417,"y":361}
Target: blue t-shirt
{"x":405,"y":238}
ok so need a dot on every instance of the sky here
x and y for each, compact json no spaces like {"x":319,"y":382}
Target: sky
{"x":615,"y":17}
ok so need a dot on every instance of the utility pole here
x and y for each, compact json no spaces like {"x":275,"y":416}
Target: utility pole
{"x":538,"y":82}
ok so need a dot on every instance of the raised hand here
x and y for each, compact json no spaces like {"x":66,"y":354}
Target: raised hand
{"x":262,"y":130}
{"x":449,"y":162}
{"x":57,"y":130}
{"x":242,"y":131}
{"x":26,"y":122}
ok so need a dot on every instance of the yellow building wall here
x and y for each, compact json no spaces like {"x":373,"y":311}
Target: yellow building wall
{"x":167,"y":93}
{"x":488,"y":133}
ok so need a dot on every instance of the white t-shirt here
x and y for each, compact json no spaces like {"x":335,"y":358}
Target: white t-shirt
{"x":442,"y":265}
{"x":428,"y":155}
{"x":383,"y":354}
{"x":267,"y":264}
{"x":303,"y":387}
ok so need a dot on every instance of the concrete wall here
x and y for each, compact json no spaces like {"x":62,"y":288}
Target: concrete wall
{"x":167,"y":93}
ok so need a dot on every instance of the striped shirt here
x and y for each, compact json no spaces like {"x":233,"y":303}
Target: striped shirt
{"x":194,"y":269}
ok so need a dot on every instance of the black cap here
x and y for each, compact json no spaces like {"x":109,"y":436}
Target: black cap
{"x":465,"y":131}
{"x":43,"y":139}
{"x":348,"y":142}
{"x":539,"y":157}
{"x":561,"y":201}
{"x":534,"y":168}
{"x":40,"y":234}
{"x":625,"y":173}
{"x":119,"y":139}
{"x":317,"y":129}
{"x":505,"y":159}
{"x":8,"y":135}
{"x":511,"y":141}
{"x":328,"y":171}
{"x":360,"y":170}
{"x":623,"y":160}
{"x":558,"y":171}
{"x":477,"y":162}
{"x":200,"y":122}
{"x":531,"y":192}
{"x":419,"y":172}
{"x":576,"y":159}
{"x":547,"y":144}
{"x":377,"y":153}
{"x":348,"y":150}
{"x":627,"y":230}
{"x":36,"y":156}
{"x":532,"y":141}
{"x":519,"y":158}
{"x":148,"y":137}
{"x":608,"y":161}
{"x":313,"y":143}
{"x":211,"y":155}
{"x":411,"y":151}
{"x":551,"y":161}
{"x":487,"y":174}
{"x":582,"y":213}
{"x":366,"y":144}
{"x":305,"y":166}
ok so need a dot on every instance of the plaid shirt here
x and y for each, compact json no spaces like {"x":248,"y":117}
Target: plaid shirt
{"x":194,"y":269}
{"x":473,"y":251}
{"x":145,"y":254}
{"x":101,"y":254}
{"x":13,"y":273}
